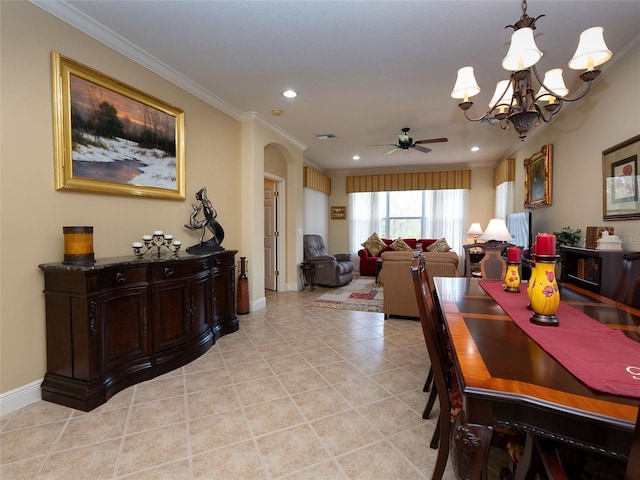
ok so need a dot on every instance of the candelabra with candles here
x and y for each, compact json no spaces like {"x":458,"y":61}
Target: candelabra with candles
{"x":157,"y":241}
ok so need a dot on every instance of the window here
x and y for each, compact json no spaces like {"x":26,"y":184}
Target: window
{"x":410,"y":214}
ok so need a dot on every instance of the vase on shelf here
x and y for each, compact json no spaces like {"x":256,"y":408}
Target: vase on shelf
{"x":242,"y":305}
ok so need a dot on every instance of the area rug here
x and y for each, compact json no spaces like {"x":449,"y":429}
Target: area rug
{"x":362,"y":295}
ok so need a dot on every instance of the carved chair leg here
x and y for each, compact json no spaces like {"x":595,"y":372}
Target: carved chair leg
{"x":427,"y":384}
{"x":470,"y":448}
{"x":432,"y":400}
{"x":435,"y":439}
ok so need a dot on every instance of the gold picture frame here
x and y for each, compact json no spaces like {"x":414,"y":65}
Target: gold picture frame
{"x":111,"y":138}
{"x":621,"y":181}
{"x":338,"y":213}
{"x":538,"y":175}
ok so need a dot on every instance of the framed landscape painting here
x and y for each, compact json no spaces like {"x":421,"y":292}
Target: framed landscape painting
{"x":112,"y":138}
{"x":621,"y":180}
{"x":538,"y":175}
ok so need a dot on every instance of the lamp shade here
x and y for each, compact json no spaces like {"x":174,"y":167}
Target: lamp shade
{"x":591,"y":51}
{"x":497,"y":230}
{"x":555,"y":83}
{"x":503,"y":95}
{"x":523,"y":51}
{"x":466,"y":85}
{"x":474,"y":229}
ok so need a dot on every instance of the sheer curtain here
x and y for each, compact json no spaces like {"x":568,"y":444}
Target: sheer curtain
{"x":447,"y":216}
{"x":364,"y":219}
{"x":504,"y":199}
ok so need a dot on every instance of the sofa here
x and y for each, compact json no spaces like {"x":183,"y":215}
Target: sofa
{"x":399,"y":297}
{"x":448,"y":259}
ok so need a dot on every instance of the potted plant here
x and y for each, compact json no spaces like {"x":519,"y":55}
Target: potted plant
{"x":567,"y":237}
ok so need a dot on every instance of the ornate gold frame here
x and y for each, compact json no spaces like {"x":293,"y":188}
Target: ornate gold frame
{"x":88,"y":90}
{"x":538,"y":174}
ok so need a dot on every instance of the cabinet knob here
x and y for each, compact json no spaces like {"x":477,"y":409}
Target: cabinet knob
{"x":205,"y":265}
{"x":121,"y":277}
{"x":168,"y":272}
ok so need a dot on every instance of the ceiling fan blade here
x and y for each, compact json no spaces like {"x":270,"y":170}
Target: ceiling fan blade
{"x":422,"y":149}
{"x":391,"y":151}
{"x":382,"y":145}
{"x":432,"y":140}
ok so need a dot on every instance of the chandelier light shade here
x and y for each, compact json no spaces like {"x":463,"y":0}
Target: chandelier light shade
{"x":513,"y":103}
{"x":496,"y":230}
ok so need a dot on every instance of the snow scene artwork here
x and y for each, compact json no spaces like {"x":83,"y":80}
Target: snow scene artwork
{"x":122,"y":141}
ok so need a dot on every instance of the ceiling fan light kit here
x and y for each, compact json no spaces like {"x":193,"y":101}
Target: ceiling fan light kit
{"x":405,"y":142}
{"x":514,"y":102}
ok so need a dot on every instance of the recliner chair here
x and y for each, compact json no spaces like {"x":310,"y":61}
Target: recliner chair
{"x":330,"y":270}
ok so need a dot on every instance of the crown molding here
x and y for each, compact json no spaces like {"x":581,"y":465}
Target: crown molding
{"x":69,"y":14}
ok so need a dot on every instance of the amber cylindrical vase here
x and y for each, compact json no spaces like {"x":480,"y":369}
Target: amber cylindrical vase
{"x":78,"y":245}
{"x":242,"y":305}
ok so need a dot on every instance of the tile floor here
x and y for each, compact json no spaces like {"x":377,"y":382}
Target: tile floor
{"x":297,"y":393}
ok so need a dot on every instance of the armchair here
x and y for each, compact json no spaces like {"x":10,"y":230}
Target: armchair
{"x":330,"y":270}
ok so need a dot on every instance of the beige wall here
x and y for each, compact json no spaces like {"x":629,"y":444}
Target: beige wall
{"x":606,"y":117}
{"x":224,"y":154}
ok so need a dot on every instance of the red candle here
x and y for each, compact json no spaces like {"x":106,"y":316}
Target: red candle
{"x":513,"y":255}
{"x":546,"y":244}
{"x":534,"y":249}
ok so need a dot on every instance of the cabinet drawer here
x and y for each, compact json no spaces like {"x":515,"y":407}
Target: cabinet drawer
{"x":122,"y":278}
{"x":225,"y":260}
{"x":170,"y":271}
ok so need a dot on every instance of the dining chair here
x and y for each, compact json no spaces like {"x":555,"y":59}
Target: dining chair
{"x":629,"y":289}
{"x":474,"y":461}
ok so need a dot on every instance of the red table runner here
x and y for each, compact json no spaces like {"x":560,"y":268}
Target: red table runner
{"x":604,"y":359}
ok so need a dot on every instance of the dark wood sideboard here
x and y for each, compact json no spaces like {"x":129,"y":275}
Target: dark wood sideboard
{"x":120,"y":321}
{"x":598,"y":271}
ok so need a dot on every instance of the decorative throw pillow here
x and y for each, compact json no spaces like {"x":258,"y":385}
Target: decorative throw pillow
{"x":399,"y":244}
{"x":439,"y":245}
{"x":374,"y":245}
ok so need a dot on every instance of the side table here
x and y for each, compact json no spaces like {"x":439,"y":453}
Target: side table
{"x":307,"y":275}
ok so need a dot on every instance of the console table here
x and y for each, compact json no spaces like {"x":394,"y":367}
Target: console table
{"x":120,"y":321}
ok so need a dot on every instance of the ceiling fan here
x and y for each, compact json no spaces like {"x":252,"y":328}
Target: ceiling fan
{"x":405,"y":142}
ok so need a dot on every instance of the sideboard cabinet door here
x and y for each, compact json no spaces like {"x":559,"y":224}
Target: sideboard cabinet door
{"x":224,"y":293}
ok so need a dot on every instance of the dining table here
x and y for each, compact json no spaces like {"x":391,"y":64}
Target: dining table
{"x":507,"y":378}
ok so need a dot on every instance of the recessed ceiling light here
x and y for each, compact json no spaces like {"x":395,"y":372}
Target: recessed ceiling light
{"x":475,"y":149}
{"x":276,"y":112}
{"x":356,"y":157}
{"x":290,"y":94}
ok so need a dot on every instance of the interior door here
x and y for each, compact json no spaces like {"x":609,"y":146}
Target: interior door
{"x":270,"y":234}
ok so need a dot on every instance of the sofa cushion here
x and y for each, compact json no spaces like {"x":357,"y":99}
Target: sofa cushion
{"x":400,"y":245}
{"x":440,"y":245}
{"x":374,"y":245}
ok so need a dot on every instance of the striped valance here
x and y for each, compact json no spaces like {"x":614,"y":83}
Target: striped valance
{"x":394,"y":182}
{"x":316,"y":180}
{"x":505,"y":172}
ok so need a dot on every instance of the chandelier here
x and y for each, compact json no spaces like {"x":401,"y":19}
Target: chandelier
{"x":513,"y":102}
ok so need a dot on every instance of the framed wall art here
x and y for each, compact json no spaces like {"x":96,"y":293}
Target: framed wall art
{"x":112,"y":138}
{"x":620,"y":180}
{"x":338,"y":213}
{"x":538,"y":177}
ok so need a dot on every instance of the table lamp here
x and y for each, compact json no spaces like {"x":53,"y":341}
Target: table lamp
{"x":497,"y":230}
{"x":475,"y":230}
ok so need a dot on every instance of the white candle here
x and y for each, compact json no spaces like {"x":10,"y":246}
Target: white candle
{"x":177,"y":243}
{"x":147,"y":237}
{"x":158,"y":233}
{"x":168,"y":237}
{"x":136,"y":245}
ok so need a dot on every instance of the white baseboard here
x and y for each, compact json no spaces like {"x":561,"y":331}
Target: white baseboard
{"x":20,"y":397}
{"x":258,"y":304}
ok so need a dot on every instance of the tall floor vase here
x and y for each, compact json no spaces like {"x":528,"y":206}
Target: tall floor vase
{"x":242,"y":305}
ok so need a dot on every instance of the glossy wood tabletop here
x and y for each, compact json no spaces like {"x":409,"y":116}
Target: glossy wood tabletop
{"x":507,"y":378}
